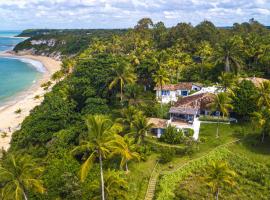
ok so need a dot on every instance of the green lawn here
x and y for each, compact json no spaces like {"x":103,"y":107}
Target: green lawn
{"x":249,"y":158}
{"x":140,"y":172}
{"x":139,"y":176}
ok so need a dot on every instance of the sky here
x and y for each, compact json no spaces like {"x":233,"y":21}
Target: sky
{"x":23,"y":14}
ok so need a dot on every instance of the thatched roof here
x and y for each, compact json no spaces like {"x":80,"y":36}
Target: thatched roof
{"x":178,"y":86}
{"x":157,"y":122}
{"x":256,"y":81}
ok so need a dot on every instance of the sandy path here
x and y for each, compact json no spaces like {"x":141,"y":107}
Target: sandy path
{"x":9,"y":121}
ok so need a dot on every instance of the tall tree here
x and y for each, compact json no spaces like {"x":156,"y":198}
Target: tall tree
{"x":100,"y":132}
{"x":161,"y":78}
{"x":123,"y":74}
{"x":204,"y":51}
{"x":226,"y":80}
{"x":218,"y":176}
{"x":229,"y":54}
{"x":264,"y":94}
{"x":244,"y":100}
{"x":221,"y":103}
{"x":261,"y":122}
{"x":127,"y":117}
{"x":115,"y":184}
{"x":19,"y":175}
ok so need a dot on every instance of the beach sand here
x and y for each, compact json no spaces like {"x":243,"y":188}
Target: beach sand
{"x":9,"y":120}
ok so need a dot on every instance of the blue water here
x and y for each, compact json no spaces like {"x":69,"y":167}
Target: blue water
{"x":8,"y":41}
{"x":15,"y":75}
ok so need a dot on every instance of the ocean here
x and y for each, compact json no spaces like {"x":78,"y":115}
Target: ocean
{"x":16,"y":75}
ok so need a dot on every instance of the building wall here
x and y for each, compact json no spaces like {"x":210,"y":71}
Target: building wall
{"x":196,"y":88}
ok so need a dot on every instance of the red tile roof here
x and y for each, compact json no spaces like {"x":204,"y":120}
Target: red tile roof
{"x":192,"y":104}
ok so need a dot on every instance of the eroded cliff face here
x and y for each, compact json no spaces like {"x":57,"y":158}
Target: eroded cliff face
{"x":43,"y":47}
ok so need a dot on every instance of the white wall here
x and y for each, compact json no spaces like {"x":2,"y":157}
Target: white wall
{"x":195,"y":87}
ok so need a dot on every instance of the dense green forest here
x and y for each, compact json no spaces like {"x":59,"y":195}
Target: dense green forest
{"x":87,"y":140}
{"x":66,"y":42}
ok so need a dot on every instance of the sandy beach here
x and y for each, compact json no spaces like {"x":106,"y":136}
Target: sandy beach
{"x":26,"y":101}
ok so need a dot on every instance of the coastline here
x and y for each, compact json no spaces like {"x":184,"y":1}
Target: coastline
{"x":25,"y":100}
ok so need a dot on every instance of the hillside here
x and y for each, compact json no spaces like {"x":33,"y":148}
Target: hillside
{"x":92,"y":135}
{"x":59,"y":43}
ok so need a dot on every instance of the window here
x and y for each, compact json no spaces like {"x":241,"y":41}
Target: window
{"x":184,"y":93}
{"x":165,"y":92}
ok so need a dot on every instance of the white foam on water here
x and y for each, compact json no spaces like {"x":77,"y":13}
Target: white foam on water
{"x":34,"y":63}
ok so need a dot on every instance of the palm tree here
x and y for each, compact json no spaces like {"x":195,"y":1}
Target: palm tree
{"x":222,"y":104}
{"x":68,"y":65}
{"x":100,"y":132}
{"x":226,"y":80}
{"x":161,"y":78}
{"x":264,"y":94}
{"x":260,"y":121}
{"x":125,"y":147}
{"x":228,"y":53}
{"x":19,"y":175}
{"x":140,"y":127}
{"x":123,"y":75}
{"x":204,"y":51}
{"x":115,"y":185}
{"x":219,"y":175}
{"x":127,"y":117}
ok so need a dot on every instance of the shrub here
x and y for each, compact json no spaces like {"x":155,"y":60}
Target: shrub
{"x":189,"y":132}
{"x":167,"y":155}
{"x":172,"y":136}
{"x":18,"y":111}
{"x":214,"y":119}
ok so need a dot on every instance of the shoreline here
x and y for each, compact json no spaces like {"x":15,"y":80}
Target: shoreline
{"x":24,"y":100}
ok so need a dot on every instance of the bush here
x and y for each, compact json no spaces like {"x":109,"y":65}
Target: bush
{"x":167,"y":155}
{"x":172,"y":136}
{"x":214,"y":119}
{"x":189,"y":132}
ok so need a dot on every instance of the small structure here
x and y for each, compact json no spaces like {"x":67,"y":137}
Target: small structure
{"x":188,"y":108}
{"x":158,"y":125}
{"x":171,"y":92}
{"x":256,"y":81}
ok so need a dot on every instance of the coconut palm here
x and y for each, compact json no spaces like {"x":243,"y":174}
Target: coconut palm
{"x":264,"y":94}
{"x":100,"y":132}
{"x":222,"y":104}
{"x":261,"y":121}
{"x":161,"y":78}
{"x":125,"y":147}
{"x":218,"y":176}
{"x":226,"y":80}
{"x":123,"y":75}
{"x":18,"y":176}
{"x":115,"y":186}
{"x":228,"y":53}
{"x":140,"y":128}
{"x":127,"y":117}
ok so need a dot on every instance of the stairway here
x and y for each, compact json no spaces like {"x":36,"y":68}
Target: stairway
{"x":152,"y":183}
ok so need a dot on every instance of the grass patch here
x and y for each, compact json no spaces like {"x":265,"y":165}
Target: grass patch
{"x":252,"y":180}
{"x":214,"y":119}
{"x":139,"y":176}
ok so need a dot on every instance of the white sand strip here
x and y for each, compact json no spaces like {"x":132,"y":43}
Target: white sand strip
{"x":9,"y":120}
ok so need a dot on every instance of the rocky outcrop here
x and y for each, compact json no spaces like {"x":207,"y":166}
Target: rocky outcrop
{"x":49,"y":43}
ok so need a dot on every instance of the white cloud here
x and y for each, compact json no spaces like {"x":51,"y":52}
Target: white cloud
{"x":21,"y":14}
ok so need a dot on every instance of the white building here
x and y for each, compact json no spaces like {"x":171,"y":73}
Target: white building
{"x":171,"y":92}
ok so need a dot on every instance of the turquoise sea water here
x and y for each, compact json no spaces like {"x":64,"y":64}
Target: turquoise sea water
{"x":15,"y":75}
